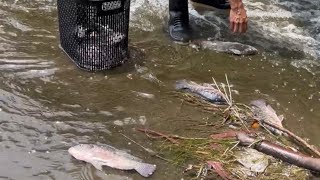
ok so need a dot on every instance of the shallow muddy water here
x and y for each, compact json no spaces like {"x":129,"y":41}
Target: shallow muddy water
{"x":47,"y":104}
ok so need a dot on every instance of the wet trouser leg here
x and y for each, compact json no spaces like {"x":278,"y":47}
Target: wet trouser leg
{"x":180,"y":6}
{"x":179,"y":20}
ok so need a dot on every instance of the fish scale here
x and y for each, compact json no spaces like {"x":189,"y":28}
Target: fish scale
{"x":205,"y":91}
{"x":107,"y":155}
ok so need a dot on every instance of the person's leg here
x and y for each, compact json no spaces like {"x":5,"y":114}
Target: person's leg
{"x":220,"y":4}
{"x":178,"y":24}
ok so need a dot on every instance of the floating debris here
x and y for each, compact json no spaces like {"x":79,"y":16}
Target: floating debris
{"x":253,"y":160}
{"x":144,"y":95}
{"x":151,"y":77}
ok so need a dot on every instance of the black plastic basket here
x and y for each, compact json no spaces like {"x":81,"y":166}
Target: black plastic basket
{"x":94,"y":33}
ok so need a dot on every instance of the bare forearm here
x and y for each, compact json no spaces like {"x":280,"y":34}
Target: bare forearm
{"x":236,"y":4}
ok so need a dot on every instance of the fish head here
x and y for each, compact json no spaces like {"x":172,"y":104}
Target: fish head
{"x":81,"y":151}
{"x":250,"y":51}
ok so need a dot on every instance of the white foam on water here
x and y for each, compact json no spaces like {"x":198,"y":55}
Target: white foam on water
{"x":291,"y":24}
{"x":262,"y":14}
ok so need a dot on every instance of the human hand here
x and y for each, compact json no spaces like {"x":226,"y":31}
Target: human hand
{"x":238,"y":20}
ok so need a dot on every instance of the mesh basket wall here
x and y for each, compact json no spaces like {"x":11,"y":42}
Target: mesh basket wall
{"x":94,"y":33}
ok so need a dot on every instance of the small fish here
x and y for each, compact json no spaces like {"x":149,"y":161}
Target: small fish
{"x":227,"y":47}
{"x":107,"y":155}
{"x":265,"y":113}
{"x":205,"y":91}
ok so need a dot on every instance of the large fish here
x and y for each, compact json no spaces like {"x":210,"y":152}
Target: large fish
{"x":226,"y":47}
{"x":107,"y":155}
{"x":265,"y":113}
{"x":205,"y":91}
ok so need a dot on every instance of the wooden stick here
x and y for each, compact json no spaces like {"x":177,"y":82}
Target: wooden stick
{"x":297,"y":138}
{"x":280,"y":152}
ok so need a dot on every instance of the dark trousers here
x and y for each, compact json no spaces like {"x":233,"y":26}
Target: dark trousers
{"x":180,"y":6}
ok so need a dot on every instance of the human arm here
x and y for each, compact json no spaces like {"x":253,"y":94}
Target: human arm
{"x":238,"y":17}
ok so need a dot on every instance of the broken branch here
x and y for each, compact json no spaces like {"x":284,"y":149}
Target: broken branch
{"x":297,"y":138}
{"x":280,"y":152}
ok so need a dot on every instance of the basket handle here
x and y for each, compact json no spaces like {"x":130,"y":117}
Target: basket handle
{"x":106,"y":7}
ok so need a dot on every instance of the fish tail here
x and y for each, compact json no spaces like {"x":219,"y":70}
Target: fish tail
{"x":182,"y":84}
{"x":145,"y":169}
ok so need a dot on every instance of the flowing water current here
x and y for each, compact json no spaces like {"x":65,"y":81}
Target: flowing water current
{"x":47,"y":104}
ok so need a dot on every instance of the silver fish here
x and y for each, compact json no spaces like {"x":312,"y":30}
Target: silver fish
{"x":205,"y":91}
{"x":107,"y":155}
{"x":265,"y":113}
{"x":227,"y":47}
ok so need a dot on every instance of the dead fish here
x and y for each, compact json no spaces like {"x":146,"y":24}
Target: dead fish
{"x":227,"y":47}
{"x":263,"y":112}
{"x":107,"y":155}
{"x":206,"y":91}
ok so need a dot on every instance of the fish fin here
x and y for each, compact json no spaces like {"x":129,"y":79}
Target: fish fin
{"x":235,"y":51}
{"x":145,"y":169}
{"x":271,"y":109}
{"x":281,"y":117}
{"x":97,"y":165}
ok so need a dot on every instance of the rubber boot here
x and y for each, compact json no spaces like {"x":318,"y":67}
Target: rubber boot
{"x":178,"y":25}
{"x":219,"y":4}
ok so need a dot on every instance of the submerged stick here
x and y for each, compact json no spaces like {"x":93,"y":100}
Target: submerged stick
{"x":151,"y":152}
{"x":171,"y":137}
{"x":297,"y":138}
{"x":151,"y":132}
{"x":280,"y":152}
{"x":227,"y":134}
